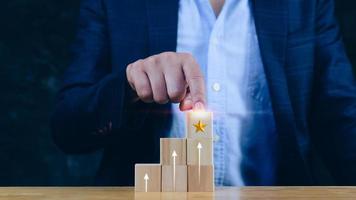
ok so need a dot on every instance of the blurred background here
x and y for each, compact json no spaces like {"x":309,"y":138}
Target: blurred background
{"x":34,"y":39}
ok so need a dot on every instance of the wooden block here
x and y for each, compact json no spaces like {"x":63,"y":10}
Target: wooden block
{"x":153,"y":172}
{"x":180,"y":184}
{"x":199,"y":124}
{"x":168,"y":145}
{"x":157,"y":195}
{"x":206,"y":151}
{"x":141,"y":196}
{"x":206,"y":181}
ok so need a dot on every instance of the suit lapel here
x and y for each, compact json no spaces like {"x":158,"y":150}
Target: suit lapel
{"x":271,"y":26}
{"x":271,"y":20}
{"x":162,"y":25}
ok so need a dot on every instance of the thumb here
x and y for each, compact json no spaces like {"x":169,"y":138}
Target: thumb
{"x":186,"y":103}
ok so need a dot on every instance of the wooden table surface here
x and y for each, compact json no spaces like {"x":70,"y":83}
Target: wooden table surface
{"x":226,"y":193}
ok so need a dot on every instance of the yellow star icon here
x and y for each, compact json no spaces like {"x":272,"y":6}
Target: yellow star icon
{"x":199,"y":127}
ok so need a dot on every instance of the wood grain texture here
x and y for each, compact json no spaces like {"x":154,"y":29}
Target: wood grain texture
{"x":181,"y":179}
{"x":206,"y":152}
{"x":194,"y":117}
{"x":168,"y":145}
{"x":154,"y":173}
{"x":202,"y":183}
{"x":224,"y":193}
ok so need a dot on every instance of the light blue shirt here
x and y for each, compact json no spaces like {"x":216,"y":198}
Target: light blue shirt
{"x":227,"y":50}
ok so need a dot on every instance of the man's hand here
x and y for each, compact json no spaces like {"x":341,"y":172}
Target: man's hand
{"x":168,"y":77}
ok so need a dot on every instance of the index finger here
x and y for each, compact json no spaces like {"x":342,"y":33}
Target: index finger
{"x":195,"y":81}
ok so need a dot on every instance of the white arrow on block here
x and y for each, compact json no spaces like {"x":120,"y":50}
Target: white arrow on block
{"x":146,"y":178}
{"x":174,"y":155}
{"x":199,"y":155}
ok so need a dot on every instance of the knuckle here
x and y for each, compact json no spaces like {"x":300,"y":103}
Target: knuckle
{"x":136,"y":66}
{"x":168,"y":55}
{"x":151,"y":69}
{"x":187,"y":56}
{"x":128,"y":70}
{"x":146,"y":98}
{"x":161,"y":99}
{"x":175,"y":95}
{"x":151,"y":60}
{"x":138,"y":63}
{"x":144,"y":93}
{"x":151,"y":63}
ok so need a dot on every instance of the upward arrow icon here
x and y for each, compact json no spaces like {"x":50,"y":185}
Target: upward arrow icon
{"x":146,"y":178}
{"x":174,"y":155}
{"x":199,"y":158}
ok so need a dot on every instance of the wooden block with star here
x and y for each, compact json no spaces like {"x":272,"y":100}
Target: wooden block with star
{"x":200,"y":151}
{"x":199,"y":124}
{"x":173,"y":150}
{"x":148,"y":178}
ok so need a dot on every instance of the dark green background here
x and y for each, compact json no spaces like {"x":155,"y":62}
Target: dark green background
{"x":34,"y":40}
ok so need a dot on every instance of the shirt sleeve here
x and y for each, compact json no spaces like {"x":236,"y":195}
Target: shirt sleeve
{"x":91,"y":103}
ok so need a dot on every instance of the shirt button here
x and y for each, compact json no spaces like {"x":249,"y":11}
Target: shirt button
{"x":216,"y":87}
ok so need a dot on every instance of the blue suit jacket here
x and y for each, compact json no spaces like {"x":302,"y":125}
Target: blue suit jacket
{"x":311,"y":83}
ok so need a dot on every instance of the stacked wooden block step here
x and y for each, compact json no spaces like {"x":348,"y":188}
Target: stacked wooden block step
{"x":174,"y":165}
{"x":200,"y":152}
{"x":186,"y":164}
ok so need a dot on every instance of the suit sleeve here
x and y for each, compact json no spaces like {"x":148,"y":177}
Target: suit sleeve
{"x":336,"y":99}
{"x":91,"y":102}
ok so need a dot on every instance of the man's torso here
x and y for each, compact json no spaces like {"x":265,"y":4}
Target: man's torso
{"x":137,"y":29}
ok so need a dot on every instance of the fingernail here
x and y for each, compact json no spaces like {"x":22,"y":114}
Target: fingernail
{"x":199,"y":106}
